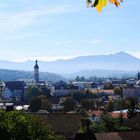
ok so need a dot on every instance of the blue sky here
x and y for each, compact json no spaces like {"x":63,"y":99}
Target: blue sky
{"x":53,"y":29}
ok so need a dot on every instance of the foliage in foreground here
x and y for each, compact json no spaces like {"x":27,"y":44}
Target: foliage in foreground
{"x":107,"y":124}
{"x":15,"y":125}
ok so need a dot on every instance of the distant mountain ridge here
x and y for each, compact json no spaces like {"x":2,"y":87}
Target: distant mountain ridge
{"x":9,"y":75}
{"x":102,"y":73}
{"x":118,"y":61}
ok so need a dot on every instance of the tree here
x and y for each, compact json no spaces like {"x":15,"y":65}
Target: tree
{"x":118,"y":91}
{"x":87,"y":104}
{"x":30,"y":92}
{"x":120,"y":105}
{"x":110,"y":106}
{"x":83,"y":78}
{"x":108,"y":86}
{"x":15,"y":125}
{"x":40,"y":103}
{"x":34,"y":91}
{"x":80,"y":79}
{"x":77,"y":78}
{"x":69,"y":104}
{"x":45,"y":91}
{"x":99,"y":4}
{"x":78,"y":96}
{"x":107,"y":123}
{"x":132,"y":107}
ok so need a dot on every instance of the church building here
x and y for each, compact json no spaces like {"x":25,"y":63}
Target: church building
{"x":36,"y":72}
{"x":138,"y":75}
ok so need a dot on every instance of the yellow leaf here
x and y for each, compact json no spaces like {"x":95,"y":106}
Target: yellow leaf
{"x":100,"y":5}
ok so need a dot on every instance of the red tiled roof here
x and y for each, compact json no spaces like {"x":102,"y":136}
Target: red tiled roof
{"x":117,"y":115}
{"x":63,"y":123}
{"x":107,"y":91}
{"x":97,"y":113}
{"x":118,"y":136}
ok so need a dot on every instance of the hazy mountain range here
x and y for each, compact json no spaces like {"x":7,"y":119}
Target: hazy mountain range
{"x":102,"y":73}
{"x":98,"y":65}
{"x":117,"y":61}
{"x":8,"y":75}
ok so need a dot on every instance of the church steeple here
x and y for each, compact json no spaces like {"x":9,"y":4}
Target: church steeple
{"x":138,"y":75}
{"x":36,"y":72}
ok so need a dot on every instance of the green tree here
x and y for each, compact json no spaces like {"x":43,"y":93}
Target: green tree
{"x":69,"y":104}
{"x":108,"y":86}
{"x":34,"y":91}
{"x":45,"y":91}
{"x":77,"y":78}
{"x":80,"y":79}
{"x":132,"y":107}
{"x":87,"y":104}
{"x":107,"y":123}
{"x":109,"y":106}
{"x":118,"y":91}
{"x":30,"y":92}
{"x":40,"y":103}
{"x":83,"y":78}
{"x":120,"y":104}
{"x":15,"y":125}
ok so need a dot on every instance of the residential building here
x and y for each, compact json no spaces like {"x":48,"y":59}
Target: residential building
{"x":131,"y":92}
{"x":63,"y":124}
{"x":2,"y":85}
{"x":13,"y":90}
{"x":65,"y":92}
{"x":83,"y":85}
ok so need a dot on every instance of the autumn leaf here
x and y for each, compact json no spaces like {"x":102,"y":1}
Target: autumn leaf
{"x":100,"y":5}
{"x":116,"y":2}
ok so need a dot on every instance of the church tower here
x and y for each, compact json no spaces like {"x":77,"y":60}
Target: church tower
{"x":36,"y":72}
{"x":138,"y":75}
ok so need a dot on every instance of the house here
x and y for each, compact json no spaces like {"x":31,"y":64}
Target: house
{"x":7,"y":94}
{"x":118,"y":136}
{"x":1,"y":88}
{"x":118,"y":114}
{"x":109,"y":136}
{"x":64,"y":92}
{"x":83,"y":85}
{"x":63,"y":124}
{"x":95,"y":115}
{"x":5,"y":105}
{"x":106,"y":92}
{"x":13,"y":90}
{"x":131,"y":92}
